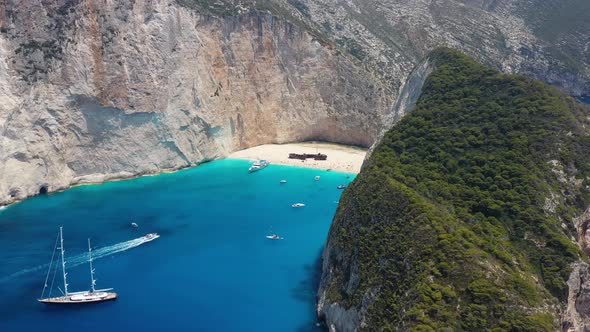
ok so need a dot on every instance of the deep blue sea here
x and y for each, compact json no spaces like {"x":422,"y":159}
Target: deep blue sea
{"x":212,"y":269}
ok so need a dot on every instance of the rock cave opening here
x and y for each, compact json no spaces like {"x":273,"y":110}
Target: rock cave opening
{"x":43,"y":190}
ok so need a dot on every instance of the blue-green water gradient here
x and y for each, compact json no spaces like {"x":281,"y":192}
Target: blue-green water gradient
{"x":212,"y":269}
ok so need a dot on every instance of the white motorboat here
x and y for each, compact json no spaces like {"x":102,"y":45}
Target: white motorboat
{"x":283,"y":181}
{"x":258,"y":165}
{"x":341,"y":186}
{"x":298,"y":205}
{"x":134,"y":225}
{"x":151,"y":236}
{"x":274,"y":237}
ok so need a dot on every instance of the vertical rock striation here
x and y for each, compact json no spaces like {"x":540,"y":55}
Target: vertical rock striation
{"x":546,"y":40}
{"x":92,"y":90}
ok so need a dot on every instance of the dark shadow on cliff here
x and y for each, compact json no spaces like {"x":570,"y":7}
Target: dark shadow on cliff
{"x":306,"y":291}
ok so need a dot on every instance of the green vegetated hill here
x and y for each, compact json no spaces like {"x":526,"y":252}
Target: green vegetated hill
{"x":462,"y":216}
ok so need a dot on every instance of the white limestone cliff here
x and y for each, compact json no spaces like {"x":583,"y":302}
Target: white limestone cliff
{"x":91,"y":92}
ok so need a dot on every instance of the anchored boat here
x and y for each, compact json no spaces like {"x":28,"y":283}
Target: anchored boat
{"x":90,"y":296}
{"x":258,"y":165}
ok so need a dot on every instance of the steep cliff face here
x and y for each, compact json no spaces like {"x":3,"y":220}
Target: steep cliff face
{"x":547,"y":40}
{"x":95,"y":90}
{"x":471,"y":214}
{"x":406,"y":99}
{"x":92,"y":90}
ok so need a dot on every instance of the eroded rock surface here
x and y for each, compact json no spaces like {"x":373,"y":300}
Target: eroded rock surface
{"x":96,"y":90}
{"x":577,"y":314}
{"x":93,"y":90}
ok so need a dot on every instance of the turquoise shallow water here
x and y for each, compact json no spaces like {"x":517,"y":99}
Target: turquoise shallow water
{"x":212,"y":269}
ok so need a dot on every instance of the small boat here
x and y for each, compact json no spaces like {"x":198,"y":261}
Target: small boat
{"x":298,"y":205}
{"x":317,"y":178}
{"x":151,"y":236}
{"x":274,"y":237}
{"x":283,"y":181}
{"x":258,"y":165}
{"x":90,"y":296}
{"x":341,"y":186}
{"x":134,"y":225}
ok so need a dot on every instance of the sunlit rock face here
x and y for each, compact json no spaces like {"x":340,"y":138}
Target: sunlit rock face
{"x":96,"y":90}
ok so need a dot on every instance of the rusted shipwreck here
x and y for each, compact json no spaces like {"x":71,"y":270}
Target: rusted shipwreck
{"x":303,"y":156}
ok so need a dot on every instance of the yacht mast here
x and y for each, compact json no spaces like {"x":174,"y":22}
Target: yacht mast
{"x":63,"y":262}
{"x":92,"y":281}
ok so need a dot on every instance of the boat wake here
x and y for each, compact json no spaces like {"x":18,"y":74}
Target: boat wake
{"x":83,"y":258}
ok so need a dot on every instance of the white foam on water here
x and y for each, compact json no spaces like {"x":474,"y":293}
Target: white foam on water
{"x":83,"y":258}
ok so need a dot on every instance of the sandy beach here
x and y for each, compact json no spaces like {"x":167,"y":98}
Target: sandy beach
{"x":341,"y":158}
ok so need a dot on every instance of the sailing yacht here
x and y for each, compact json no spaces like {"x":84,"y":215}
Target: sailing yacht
{"x":90,"y":296}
